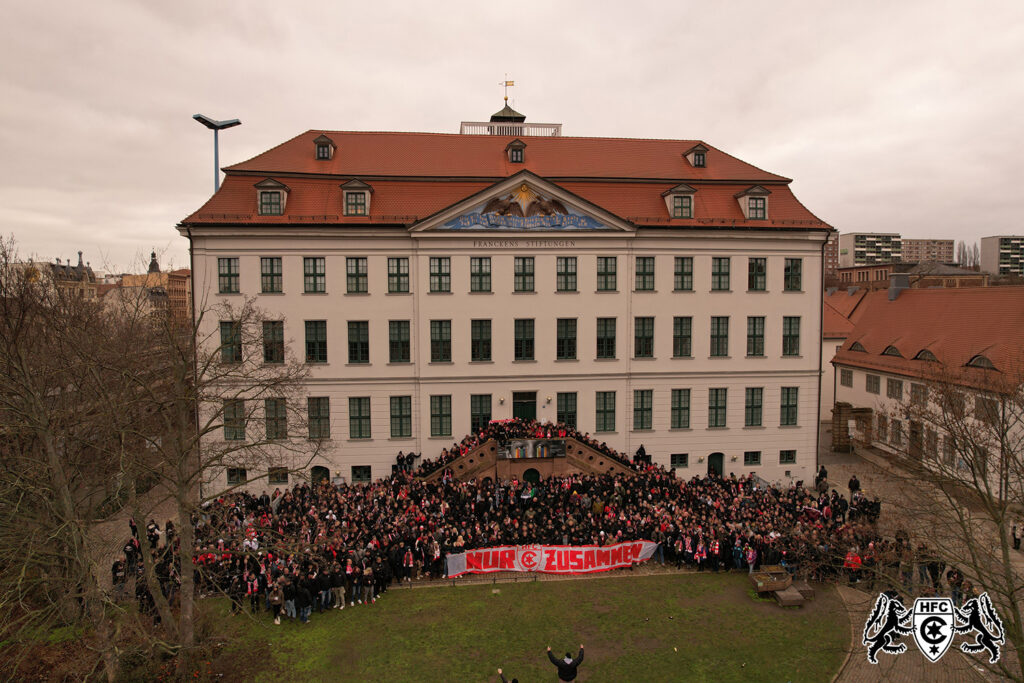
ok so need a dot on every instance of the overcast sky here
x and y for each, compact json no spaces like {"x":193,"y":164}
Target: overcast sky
{"x":889,"y":116}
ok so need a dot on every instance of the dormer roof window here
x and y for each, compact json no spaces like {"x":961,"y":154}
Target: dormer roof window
{"x":892,"y":351}
{"x":324,"y":148}
{"x":516,"y":151}
{"x":697,"y":156}
{"x":980,"y":361}
{"x":925,"y":354}
{"x":679,"y":201}
{"x":754,"y":203}
{"x":271,"y":197}
{"x":356,"y":197}
{"x":857,"y":346}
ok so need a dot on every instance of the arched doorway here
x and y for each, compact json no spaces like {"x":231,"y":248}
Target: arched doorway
{"x":531,"y":475}
{"x":715,"y":464}
{"x":319,"y":474}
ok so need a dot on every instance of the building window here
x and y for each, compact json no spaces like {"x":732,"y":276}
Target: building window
{"x":680,"y":409}
{"x":757,"y":274}
{"x":565,"y":273}
{"x":276,"y":416}
{"x":524,"y":339}
{"x":679,"y":460}
{"x":985,"y":409}
{"x":314,"y":275}
{"x":756,"y":208}
{"x":318,"y":415}
{"x":234,"y":420}
{"x":479,"y":412}
{"x":751,"y":458}
{"x":566,"y":409}
{"x":919,"y":394}
{"x":480,"y":340}
{"x":699,"y":159}
{"x":790,"y":336}
{"x":716,"y":407}
{"x":606,"y":270}
{"x":480,"y":274}
{"x":230,"y":342}
{"x":682,"y":327}
{"x":270,"y":275}
{"x":323,"y":151}
{"x":237,"y":475}
{"x":523,"y":274}
{"x":355,"y":203}
{"x":846,"y":377}
{"x":270,"y":203}
{"x":643,"y":337}
{"x":981,"y":362}
{"x":644,"y":273}
{"x":794,"y":275}
{"x":440,"y":274}
{"x":361,"y":474}
{"x":273,"y":341}
{"x":788,"y":413}
{"x":441,"y":415}
{"x":787,"y":457}
{"x":684,"y":274}
{"x":605,"y":420}
{"x":896,"y":432}
{"x":359,"y":417}
{"x":277,"y":475}
{"x":515,"y":156}
{"x":642,"y":408}
{"x":892,"y":351}
{"x":720,"y":336}
{"x":752,"y":406}
{"x":398,"y":341}
{"x":894,"y":389}
{"x":755,"y":336}
{"x":720,"y":274}
{"x":440,"y":341}
{"x":857,"y":346}
{"x":227,"y":275}
{"x":565,"y":342}
{"x":872,"y":384}
{"x":398,"y":275}
{"x":358,"y":341}
{"x":682,"y":206}
{"x":401,"y":416}
{"x":316,"y":341}
{"x":606,"y":337}
{"x":355,"y":271}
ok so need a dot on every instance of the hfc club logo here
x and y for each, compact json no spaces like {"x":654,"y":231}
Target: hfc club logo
{"x":933,"y":622}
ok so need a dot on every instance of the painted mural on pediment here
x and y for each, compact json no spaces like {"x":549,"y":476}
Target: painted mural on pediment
{"x":524,"y":209}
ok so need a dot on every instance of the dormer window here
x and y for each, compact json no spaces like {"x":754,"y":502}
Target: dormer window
{"x":324,"y":148}
{"x":754,"y":203}
{"x":892,"y":351}
{"x":982,"y":362}
{"x":356,"y":198}
{"x":516,"y":151}
{"x":925,"y":354}
{"x":857,"y":346}
{"x":271,"y":197}
{"x":679,"y":201}
{"x":697,"y":156}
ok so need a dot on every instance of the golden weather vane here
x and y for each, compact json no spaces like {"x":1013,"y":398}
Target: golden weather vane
{"x":507,"y":83}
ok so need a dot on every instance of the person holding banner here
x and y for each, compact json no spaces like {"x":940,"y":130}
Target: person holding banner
{"x":567,"y":668}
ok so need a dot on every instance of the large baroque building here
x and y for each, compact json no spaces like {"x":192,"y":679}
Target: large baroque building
{"x":655,"y":292}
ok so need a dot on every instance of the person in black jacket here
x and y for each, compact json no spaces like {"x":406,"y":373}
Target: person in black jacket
{"x":567,"y":667}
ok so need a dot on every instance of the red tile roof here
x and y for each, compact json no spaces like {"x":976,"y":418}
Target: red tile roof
{"x":415,"y":175}
{"x":954,"y":324}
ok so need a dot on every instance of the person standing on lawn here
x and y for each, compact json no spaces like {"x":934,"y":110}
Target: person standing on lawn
{"x":567,"y":667}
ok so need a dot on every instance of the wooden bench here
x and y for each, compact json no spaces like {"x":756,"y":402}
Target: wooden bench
{"x":805,"y":589}
{"x":789,"y":597}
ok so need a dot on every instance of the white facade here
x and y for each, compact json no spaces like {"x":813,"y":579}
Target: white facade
{"x":866,"y":248}
{"x":1003,"y":255}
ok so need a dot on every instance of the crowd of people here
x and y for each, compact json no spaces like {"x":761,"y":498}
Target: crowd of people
{"x":325,"y":546}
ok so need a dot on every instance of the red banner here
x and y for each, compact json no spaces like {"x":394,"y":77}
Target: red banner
{"x":550,"y":559}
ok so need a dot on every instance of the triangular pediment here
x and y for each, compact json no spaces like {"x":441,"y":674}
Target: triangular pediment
{"x":271,"y":184}
{"x":523,"y":202}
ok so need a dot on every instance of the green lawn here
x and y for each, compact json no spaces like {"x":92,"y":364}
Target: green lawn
{"x":676,"y":627}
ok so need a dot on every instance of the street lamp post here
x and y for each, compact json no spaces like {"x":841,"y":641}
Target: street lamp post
{"x":216,"y":127}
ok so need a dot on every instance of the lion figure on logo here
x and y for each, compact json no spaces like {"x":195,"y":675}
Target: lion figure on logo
{"x":979,"y":615}
{"x":887,"y":622}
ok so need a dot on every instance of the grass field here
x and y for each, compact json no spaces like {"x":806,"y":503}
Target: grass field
{"x":679,"y":627}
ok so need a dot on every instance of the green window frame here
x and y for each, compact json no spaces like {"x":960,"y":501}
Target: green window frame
{"x":358,"y":341}
{"x":524,"y":338}
{"x":230,"y":341}
{"x":362,"y":474}
{"x":679,"y":460}
{"x":682,"y":206}
{"x":682,"y":336}
{"x":720,"y":274}
{"x":277,"y":475}
{"x":605,"y":411}
{"x":753,"y":407}
{"x":399,"y":335}
{"x":756,"y":208}
{"x":479,"y":412}
{"x":314,"y":274}
{"x":479,"y":340}
{"x":318,"y":417}
{"x":894,"y":388}
{"x":751,"y":458}
{"x":356,"y":274}
{"x":273,"y":341}
{"x":872,"y":384}
{"x":645,"y":273}
{"x":643,"y":337}
{"x":757,"y":274}
{"x":565,"y":407}
{"x":794,"y":275}
{"x":234,"y":419}
{"x":401,"y":417}
{"x":270,"y":203}
{"x":791,"y":336}
{"x":236,"y":475}
{"x":316,"y":341}
{"x":717,"y":401}
{"x":565,"y":339}
{"x":440,"y":341}
{"x":788,"y":406}
{"x":643,"y":402}
{"x":275,"y":415}
{"x":398,"y":275}
{"x":480,"y":274}
{"x":755,"y":336}
{"x":606,"y":337}
{"x":607,"y":267}
{"x":523,"y":279}
{"x":565,"y":273}
{"x":680,"y":409}
{"x":270,"y":275}
{"x":719,"y":336}
{"x":845,"y":377}
{"x":355,"y":203}
{"x":441,"y":415}
{"x":359,"y":417}
{"x":227,"y":275}
{"x":787,"y":457}
{"x":440,"y":274}
{"x":684,"y":274}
